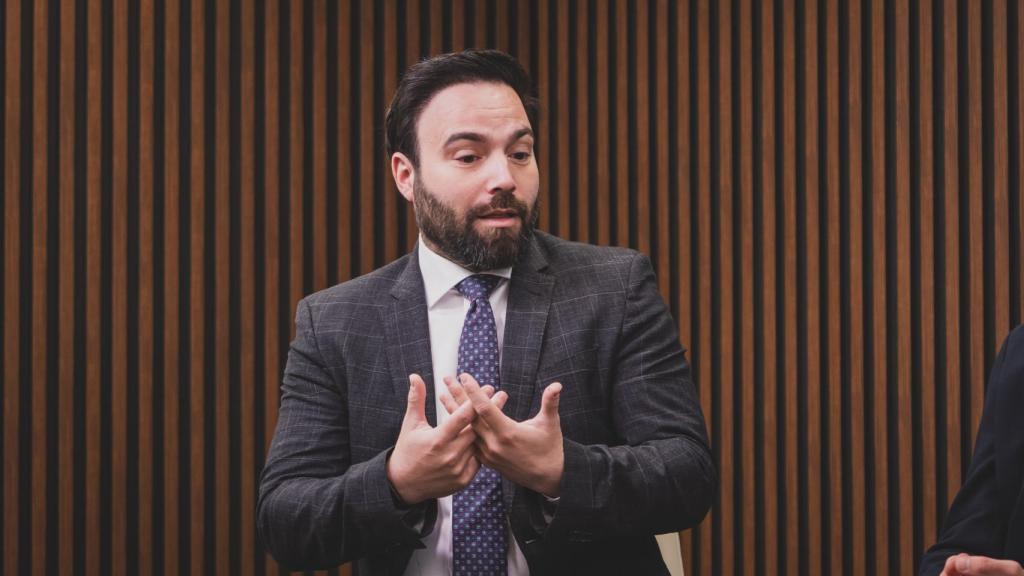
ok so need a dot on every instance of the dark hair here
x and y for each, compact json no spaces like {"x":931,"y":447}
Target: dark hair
{"x":426,"y":78}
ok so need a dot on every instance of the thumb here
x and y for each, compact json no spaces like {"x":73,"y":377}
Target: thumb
{"x":549,"y":401}
{"x":415,"y":410}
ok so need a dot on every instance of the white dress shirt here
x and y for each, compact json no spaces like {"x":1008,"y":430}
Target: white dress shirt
{"x":446,"y":312}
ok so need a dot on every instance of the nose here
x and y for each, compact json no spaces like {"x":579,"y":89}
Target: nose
{"x":499,"y":176}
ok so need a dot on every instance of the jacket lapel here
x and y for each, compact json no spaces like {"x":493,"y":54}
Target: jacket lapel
{"x":526,"y":318}
{"x":407,"y":333}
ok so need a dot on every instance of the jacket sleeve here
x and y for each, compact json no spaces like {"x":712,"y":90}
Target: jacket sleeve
{"x":661,"y":479}
{"x":317,"y":508}
{"x":977,"y":521}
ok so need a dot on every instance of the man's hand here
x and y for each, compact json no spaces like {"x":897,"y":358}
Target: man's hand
{"x":528,"y":453}
{"x":432,"y":462}
{"x":967,"y":565}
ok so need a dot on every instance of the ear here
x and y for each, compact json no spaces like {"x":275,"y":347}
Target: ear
{"x":404,"y":174}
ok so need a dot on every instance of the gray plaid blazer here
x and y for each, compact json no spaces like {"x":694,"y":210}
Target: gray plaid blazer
{"x":637,"y":457}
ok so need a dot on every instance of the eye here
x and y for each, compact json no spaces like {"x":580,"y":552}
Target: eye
{"x":467,"y":159}
{"x":521,"y":156}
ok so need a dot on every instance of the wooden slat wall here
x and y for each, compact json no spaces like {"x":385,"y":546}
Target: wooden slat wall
{"x":830,"y":191}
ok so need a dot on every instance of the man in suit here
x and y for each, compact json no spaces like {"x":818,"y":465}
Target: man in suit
{"x":983,"y":534}
{"x":499,"y":400}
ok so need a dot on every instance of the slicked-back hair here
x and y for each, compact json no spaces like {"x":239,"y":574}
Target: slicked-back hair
{"x":423,"y":80}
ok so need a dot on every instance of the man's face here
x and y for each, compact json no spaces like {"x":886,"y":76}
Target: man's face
{"x":476,"y":189}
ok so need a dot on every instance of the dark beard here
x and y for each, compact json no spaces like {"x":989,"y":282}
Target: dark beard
{"x":460,"y":242}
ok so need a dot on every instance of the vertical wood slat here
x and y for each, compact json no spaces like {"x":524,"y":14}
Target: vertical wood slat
{"x":367,"y":154}
{"x":951,"y":178}
{"x":561,"y":131}
{"x":39,"y":208}
{"x":787,"y":355}
{"x":1019,"y":106}
{"x":721,"y":263}
{"x":620,"y":117}
{"x":660,"y":208}
{"x":811,"y":366}
{"x":746,"y":252}
{"x":684,"y":170}
{"x":541,"y":77}
{"x":602,"y":129}
{"x":319,"y":139}
{"x":199,"y":340}
{"x":66,"y":315}
{"x":415,"y":12}
{"x":836,"y":517}
{"x":925,"y":281}
{"x":876,"y":184}
{"x":769,"y":297}
{"x":878,"y":167}
{"x":93,"y":320}
{"x":272,"y":364}
{"x":856,"y":267}
{"x":1000,"y":209}
{"x":216,"y":544}
{"x":581,"y":110}
{"x":975,"y":218}
{"x":391,"y":197}
{"x":702,"y":335}
{"x":12,"y":247}
{"x":144,"y":307}
{"x":901,"y":122}
{"x":174,"y":264}
{"x":248,"y":307}
{"x":118,"y":228}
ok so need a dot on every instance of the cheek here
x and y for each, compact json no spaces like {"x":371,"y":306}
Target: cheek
{"x":528,"y":182}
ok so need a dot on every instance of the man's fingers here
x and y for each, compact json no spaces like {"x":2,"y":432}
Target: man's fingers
{"x":463,"y":416}
{"x":950,"y":568}
{"x":415,"y":409}
{"x":964,"y":564}
{"x":499,"y":399}
{"x":464,"y":440}
{"x":984,"y":566}
{"x":449,"y":403}
{"x":455,"y":390}
{"x":549,"y":401}
{"x":487,"y":411}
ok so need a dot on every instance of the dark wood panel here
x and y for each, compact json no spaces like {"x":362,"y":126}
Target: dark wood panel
{"x":40,"y":261}
{"x":66,"y":279}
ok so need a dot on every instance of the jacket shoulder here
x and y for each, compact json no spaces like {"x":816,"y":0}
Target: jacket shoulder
{"x":367,"y":290}
{"x":568,"y":257}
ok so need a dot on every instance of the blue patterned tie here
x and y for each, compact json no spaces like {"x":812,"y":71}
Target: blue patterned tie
{"x":478,"y":514}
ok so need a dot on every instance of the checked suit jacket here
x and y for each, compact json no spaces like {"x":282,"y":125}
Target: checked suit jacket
{"x":637,"y":457}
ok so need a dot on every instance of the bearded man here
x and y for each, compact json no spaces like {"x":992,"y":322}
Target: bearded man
{"x":498,"y":401}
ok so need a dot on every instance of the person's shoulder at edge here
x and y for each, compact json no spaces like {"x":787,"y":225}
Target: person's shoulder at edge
{"x":1015,"y":341}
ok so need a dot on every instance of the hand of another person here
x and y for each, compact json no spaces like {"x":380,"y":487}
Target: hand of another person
{"x":430,"y":462}
{"x":528,"y":453}
{"x":966,"y":565}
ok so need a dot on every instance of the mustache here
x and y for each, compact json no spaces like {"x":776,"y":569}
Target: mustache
{"x":503,"y":201}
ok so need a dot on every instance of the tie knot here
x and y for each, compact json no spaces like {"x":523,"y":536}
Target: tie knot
{"x":478,"y":286}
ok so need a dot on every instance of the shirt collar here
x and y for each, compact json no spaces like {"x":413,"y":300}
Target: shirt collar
{"x":441,"y":274}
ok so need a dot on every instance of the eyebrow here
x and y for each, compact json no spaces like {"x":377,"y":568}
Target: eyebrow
{"x":477,"y":137}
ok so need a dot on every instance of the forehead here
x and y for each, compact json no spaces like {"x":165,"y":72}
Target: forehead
{"x":490,"y":109}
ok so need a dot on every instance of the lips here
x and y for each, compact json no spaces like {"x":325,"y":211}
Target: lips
{"x":501,"y":214}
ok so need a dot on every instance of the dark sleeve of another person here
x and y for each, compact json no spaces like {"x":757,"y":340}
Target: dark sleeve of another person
{"x":979,"y":517}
